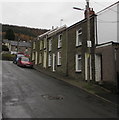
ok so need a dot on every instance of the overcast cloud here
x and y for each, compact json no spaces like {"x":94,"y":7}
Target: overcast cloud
{"x":46,"y":13}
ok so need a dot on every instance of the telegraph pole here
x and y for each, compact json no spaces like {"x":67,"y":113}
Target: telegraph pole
{"x":88,"y":71}
{"x":88,"y":39}
{"x":88,"y":20}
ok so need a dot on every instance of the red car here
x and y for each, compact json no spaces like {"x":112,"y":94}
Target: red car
{"x":24,"y":62}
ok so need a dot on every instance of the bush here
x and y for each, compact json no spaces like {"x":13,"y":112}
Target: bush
{"x":5,"y":48}
{"x":7,"y":56}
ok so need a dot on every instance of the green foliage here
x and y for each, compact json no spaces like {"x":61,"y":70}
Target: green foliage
{"x":24,"y":31}
{"x":5,"y":48}
{"x":7,"y":56}
{"x":10,"y":35}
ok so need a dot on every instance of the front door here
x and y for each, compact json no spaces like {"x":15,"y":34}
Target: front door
{"x":54,"y":59}
{"x":98,"y":68}
{"x":44,"y":59}
{"x":36,"y":57}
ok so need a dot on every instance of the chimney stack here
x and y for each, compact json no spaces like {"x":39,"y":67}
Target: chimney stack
{"x":52,"y":27}
{"x":91,"y":12}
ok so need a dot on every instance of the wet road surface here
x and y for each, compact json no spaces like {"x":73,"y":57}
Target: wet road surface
{"x":28,"y":93}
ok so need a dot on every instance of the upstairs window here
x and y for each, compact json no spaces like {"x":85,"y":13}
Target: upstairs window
{"x":60,"y":41}
{"x":50,"y":44}
{"x":33,"y":55}
{"x":79,"y":37}
{"x":78,"y":63}
{"x":40,"y":57}
{"x":59,"y":58}
{"x":45,"y":42}
{"x":41,"y":45}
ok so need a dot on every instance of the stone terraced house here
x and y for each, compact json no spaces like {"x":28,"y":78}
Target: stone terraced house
{"x":65,"y":51}
{"x":68,"y":52}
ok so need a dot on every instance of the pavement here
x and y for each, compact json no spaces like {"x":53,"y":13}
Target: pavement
{"x":91,"y":88}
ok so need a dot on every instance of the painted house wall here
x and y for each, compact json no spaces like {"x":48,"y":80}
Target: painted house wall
{"x":23,"y":49}
{"x":109,"y":65}
{"x":107,"y":25}
{"x":118,"y":22}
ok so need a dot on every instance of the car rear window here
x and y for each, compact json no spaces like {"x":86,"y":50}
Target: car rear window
{"x":20,"y":55}
{"x":25,"y":59}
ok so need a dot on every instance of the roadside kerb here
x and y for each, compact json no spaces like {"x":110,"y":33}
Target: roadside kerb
{"x":77,"y":84}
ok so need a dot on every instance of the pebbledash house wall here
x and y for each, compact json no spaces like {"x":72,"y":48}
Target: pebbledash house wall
{"x":68,"y":50}
{"x":80,"y":50}
{"x":60,"y":69}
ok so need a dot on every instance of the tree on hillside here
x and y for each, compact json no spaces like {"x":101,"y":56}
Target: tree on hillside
{"x":10,"y":35}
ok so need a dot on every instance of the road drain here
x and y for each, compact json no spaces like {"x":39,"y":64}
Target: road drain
{"x":50,"y":97}
{"x":12,"y":102}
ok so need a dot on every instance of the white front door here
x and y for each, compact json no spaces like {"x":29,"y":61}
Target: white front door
{"x":54,"y":62}
{"x":36,"y":58}
{"x":88,"y":67}
{"x":44,"y":59}
{"x":98,"y":68}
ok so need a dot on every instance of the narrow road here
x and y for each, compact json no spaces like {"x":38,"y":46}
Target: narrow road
{"x":28,"y":93}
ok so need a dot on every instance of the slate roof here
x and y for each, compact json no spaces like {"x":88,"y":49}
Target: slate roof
{"x":15,"y":43}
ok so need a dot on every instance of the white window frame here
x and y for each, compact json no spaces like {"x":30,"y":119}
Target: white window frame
{"x":49,"y":60}
{"x":45,"y":41}
{"x":33,"y":55}
{"x":41,"y":44}
{"x":78,"y":59}
{"x":34,"y":45}
{"x":59,"y":40}
{"x":59,"y":58}
{"x":78,"y":34}
{"x":40,"y":58}
{"x":50,"y":44}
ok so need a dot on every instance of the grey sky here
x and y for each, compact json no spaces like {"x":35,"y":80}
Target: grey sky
{"x":46,"y":13}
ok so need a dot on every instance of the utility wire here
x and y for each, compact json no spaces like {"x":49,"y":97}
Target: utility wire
{"x":108,"y":7}
{"x":104,"y":21}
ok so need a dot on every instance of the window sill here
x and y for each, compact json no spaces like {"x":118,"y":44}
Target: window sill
{"x":78,"y":45}
{"x":78,"y":71}
{"x":59,"y":47}
{"x":59,"y":65}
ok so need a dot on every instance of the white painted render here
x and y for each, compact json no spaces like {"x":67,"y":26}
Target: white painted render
{"x":107,"y":23}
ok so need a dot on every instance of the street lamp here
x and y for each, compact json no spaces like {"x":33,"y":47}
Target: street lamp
{"x":78,"y":8}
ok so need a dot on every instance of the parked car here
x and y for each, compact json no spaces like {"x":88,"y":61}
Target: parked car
{"x":24,"y":62}
{"x":17,"y":56}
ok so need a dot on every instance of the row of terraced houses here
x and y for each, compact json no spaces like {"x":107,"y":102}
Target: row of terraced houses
{"x":66,"y":50}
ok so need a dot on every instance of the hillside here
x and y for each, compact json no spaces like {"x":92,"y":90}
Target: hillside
{"x":24,"y":33}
